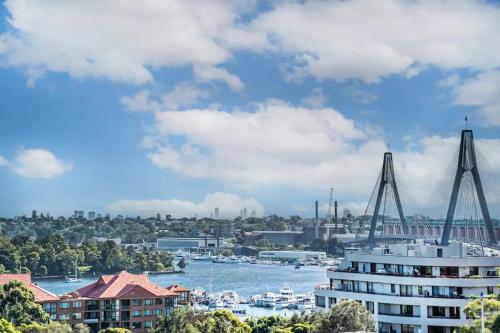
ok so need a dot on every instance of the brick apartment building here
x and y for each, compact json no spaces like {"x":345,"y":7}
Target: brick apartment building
{"x":121,"y":300}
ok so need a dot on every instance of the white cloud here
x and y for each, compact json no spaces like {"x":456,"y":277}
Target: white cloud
{"x":482,"y":92}
{"x":363,"y":39}
{"x":370,"y":40}
{"x":183,"y":94}
{"x":316,"y":100}
{"x":284,"y":145}
{"x":229,"y":206}
{"x":3,"y":161}
{"x":362,"y":96}
{"x":211,"y":73}
{"x":122,"y":40}
{"x":39,"y":163}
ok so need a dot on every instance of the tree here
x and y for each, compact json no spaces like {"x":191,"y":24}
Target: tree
{"x":114,"y":330}
{"x":182,"y":263}
{"x":223,"y":321}
{"x":17,"y":304}
{"x":346,"y":316}
{"x":52,"y":327}
{"x":179,"y":321}
{"x":268,"y":324}
{"x":7,"y":327}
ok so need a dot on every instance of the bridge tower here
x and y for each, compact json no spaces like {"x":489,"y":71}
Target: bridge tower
{"x":467,"y":164}
{"x":387,"y":179}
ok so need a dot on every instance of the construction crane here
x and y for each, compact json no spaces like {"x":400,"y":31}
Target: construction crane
{"x":329,"y":216}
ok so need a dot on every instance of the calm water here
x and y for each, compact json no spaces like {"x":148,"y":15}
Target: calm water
{"x":246,"y":279}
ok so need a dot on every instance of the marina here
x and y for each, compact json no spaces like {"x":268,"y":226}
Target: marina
{"x":245,"y":279}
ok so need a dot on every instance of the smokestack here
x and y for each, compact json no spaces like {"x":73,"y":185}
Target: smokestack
{"x":316,"y":217}
{"x":336,"y":221}
{"x":316,"y":220}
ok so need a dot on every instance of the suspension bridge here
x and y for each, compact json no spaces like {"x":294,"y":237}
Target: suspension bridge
{"x":462,"y":207}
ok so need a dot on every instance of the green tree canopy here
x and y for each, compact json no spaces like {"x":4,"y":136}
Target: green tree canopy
{"x":7,"y":327}
{"x":17,"y":305}
{"x":180,"y":320}
{"x":114,"y":330}
{"x":223,"y":321}
{"x":346,"y":316}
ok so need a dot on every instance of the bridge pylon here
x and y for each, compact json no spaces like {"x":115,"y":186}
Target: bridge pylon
{"x":387,"y":179}
{"x":467,"y":164}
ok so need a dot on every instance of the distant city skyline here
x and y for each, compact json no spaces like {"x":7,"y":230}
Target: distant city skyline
{"x":246,"y":109}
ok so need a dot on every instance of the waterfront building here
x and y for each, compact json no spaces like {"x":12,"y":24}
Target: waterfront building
{"x":413,"y":288}
{"x":292,"y":255}
{"x":175,"y":243}
{"x":121,"y":300}
{"x":45,"y":298}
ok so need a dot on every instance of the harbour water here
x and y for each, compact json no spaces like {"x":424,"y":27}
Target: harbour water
{"x":244,"y":278}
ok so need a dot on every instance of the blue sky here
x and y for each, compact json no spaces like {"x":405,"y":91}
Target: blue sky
{"x":185,"y":106}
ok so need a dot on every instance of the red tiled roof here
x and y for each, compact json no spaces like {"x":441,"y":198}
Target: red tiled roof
{"x":177,"y":288}
{"x":120,"y":284}
{"x":41,"y":295}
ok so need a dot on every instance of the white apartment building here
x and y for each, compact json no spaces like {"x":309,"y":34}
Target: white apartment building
{"x":413,"y":288}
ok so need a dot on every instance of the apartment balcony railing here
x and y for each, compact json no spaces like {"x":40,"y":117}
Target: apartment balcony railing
{"x":411,"y":315}
{"x":389,"y":273}
{"x":349,"y":288}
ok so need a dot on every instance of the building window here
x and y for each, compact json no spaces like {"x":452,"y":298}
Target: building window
{"x":455,"y":312}
{"x":490,"y":290}
{"x":137,"y":324}
{"x":148,"y":324}
{"x":158,"y":301}
{"x":64,"y":305}
{"x":77,"y":304}
{"x":136,"y":313}
{"x":370,"y":307}
{"x":50,"y":307}
{"x":158,"y":312}
{"x":77,"y":315}
{"x":148,"y":301}
{"x":137,"y":302}
{"x":440,"y":253}
{"x":407,"y":328}
{"x":64,"y":316}
{"x":169,"y":302}
{"x":320,"y":301}
{"x":148,"y":313}
{"x":393,"y":288}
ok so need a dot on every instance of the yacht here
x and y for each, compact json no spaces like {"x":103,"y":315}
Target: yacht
{"x":269,"y":300}
{"x":73,"y":279}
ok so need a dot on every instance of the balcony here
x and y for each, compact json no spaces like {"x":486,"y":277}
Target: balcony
{"x":410,"y":315}
{"x":348,"y":288}
{"x":91,"y":320}
{"x":388,"y":273}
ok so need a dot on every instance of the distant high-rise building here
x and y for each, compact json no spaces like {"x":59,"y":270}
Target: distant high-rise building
{"x":78,"y":214}
{"x":253,"y":214}
{"x":211,"y":215}
{"x":99,"y":216}
{"x":107,"y":217}
{"x":241,"y":213}
{"x":33,"y":214}
{"x":346,"y":212}
{"x":245,"y":214}
{"x":216,"y":212}
{"x":91,"y":216}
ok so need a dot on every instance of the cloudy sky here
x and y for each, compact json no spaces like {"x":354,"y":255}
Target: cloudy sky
{"x":181,"y":106}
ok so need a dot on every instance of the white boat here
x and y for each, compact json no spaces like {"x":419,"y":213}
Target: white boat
{"x":305,"y":302}
{"x":219,"y":260}
{"x":202,"y":257}
{"x":268,"y":300}
{"x":73,"y":279}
